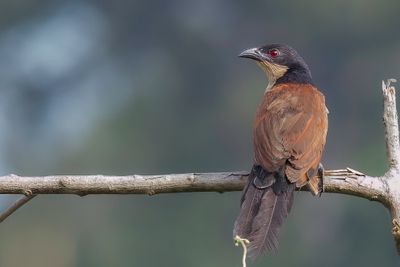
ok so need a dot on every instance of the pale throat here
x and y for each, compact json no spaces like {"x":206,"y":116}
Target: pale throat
{"x":273,"y":72}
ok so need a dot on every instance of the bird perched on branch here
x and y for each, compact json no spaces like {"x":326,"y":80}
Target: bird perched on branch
{"x":289,"y":135}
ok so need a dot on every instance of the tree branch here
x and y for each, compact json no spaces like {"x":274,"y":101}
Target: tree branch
{"x":16,"y":205}
{"x":392,"y":176}
{"x":385,"y":189}
{"x":344,"y":181}
{"x":391,"y":124}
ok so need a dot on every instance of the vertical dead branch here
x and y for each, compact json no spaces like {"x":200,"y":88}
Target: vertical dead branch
{"x":391,"y":124}
{"x":390,"y":120}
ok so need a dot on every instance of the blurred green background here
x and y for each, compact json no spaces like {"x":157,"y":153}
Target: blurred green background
{"x":149,"y":87}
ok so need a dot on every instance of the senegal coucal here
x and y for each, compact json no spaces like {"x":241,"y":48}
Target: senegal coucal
{"x":289,"y":135}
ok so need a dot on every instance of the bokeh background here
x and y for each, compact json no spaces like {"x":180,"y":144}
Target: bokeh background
{"x":149,"y":87}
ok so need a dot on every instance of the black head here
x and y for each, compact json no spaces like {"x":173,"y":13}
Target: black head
{"x":281,"y":63}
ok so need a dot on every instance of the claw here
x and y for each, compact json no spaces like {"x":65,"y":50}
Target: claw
{"x":321,"y":175}
{"x":259,"y":186}
{"x":396,"y":227}
{"x":315,"y":180}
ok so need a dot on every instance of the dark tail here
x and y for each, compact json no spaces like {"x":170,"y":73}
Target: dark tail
{"x":266,"y":202}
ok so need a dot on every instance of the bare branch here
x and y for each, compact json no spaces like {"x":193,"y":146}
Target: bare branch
{"x":337,"y":181}
{"x":16,"y":205}
{"x":391,"y":124}
{"x":130,"y":184}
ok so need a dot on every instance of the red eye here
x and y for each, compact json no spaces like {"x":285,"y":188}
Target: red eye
{"x":273,"y":52}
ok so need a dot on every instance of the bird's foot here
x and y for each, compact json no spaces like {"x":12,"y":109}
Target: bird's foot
{"x":316,"y":181}
{"x":321,"y":176}
{"x":262,"y":179}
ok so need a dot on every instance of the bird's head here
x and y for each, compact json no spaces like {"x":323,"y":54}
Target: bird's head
{"x":278,"y":61}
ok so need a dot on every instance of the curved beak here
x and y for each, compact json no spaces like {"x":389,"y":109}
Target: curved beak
{"x":253,"y":53}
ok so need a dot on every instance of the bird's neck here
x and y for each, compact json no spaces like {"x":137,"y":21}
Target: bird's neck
{"x":299,"y":76}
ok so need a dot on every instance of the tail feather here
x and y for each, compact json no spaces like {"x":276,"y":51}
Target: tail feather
{"x":267,"y":223}
{"x":262,"y":214}
{"x":251,"y":200}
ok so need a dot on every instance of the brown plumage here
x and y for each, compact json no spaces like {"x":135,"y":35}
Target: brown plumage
{"x":289,"y":135}
{"x":289,"y":130}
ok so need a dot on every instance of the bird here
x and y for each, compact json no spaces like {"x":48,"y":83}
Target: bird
{"x":289,"y":135}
